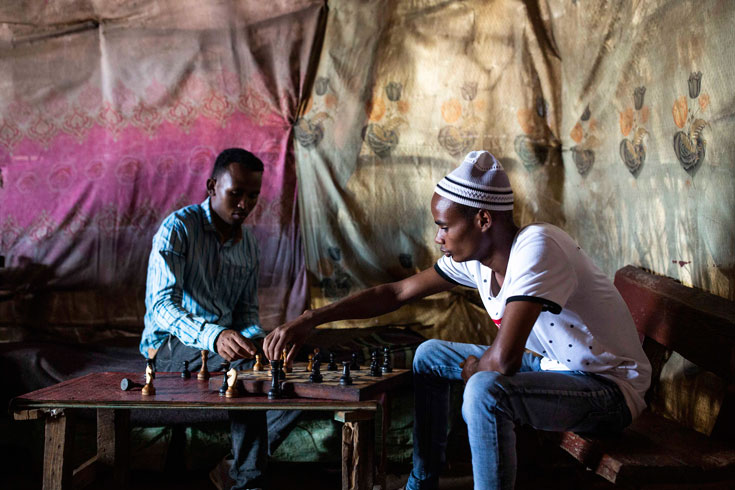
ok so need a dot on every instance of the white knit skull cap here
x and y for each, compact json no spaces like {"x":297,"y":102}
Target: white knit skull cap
{"x":479,"y":182}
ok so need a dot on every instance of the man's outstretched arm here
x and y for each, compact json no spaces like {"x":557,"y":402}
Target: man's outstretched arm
{"x":369,"y":303}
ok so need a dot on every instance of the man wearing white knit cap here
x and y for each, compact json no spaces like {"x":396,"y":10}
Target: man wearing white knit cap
{"x":587,"y":372}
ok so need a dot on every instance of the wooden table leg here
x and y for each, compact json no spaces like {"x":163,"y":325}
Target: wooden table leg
{"x":358,"y":441}
{"x":57,"y":451}
{"x":113,"y":444}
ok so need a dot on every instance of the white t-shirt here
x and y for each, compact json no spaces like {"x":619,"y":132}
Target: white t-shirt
{"x":584,"y":326}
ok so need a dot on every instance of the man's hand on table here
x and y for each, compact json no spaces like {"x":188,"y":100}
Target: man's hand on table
{"x":233,"y":346}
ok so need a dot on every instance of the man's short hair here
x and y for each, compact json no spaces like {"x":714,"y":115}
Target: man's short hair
{"x":236,"y":155}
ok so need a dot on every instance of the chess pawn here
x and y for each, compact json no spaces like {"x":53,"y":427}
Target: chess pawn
{"x":346,"y":379}
{"x":387,"y":367}
{"x":185,"y":373}
{"x":310,"y":364}
{"x":355,"y":366}
{"x":332,"y":366}
{"x":288,"y":367}
{"x":148,"y":388}
{"x":374,"y":368}
{"x":258,"y":365}
{"x":231,"y":383}
{"x":203,"y":374}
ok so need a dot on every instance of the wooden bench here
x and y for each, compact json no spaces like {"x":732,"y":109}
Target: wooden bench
{"x":656,"y":451}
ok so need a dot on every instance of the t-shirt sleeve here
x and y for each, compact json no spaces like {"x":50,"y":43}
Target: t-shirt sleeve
{"x":545,"y":274}
{"x":454,"y":272}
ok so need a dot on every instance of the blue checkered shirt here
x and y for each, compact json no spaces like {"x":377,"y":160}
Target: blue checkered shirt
{"x":197,"y":286}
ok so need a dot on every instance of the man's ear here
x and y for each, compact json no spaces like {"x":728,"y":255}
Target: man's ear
{"x":210,"y":186}
{"x":484,"y":219}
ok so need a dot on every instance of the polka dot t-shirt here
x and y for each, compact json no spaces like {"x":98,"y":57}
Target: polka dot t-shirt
{"x":584,"y":325}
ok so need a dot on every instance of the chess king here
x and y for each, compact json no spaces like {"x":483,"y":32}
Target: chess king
{"x":199,"y":250}
{"x":587,"y":371}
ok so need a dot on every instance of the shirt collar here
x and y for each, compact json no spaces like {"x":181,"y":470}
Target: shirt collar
{"x":209,"y":222}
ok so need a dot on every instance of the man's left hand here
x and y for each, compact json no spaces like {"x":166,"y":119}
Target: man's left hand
{"x":469,"y":367}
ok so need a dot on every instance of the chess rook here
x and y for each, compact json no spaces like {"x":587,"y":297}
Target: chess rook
{"x":346,"y":379}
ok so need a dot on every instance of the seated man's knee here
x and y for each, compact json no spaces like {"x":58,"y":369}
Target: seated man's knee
{"x":483,"y":392}
{"x":426,"y":355}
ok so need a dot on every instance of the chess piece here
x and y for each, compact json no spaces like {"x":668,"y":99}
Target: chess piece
{"x":288,"y":367}
{"x":275,"y":391}
{"x":346,"y":379}
{"x":224,"y":368}
{"x":316,"y":375}
{"x":231,"y":383}
{"x":332,"y":366}
{"x":185,"y":373}
{"x":387,"y":367}
{"x":258,"y":365}
{"x":355,"y":366}
{"x":127,"y":384}
{"x":374,"y":368}
{"x":150,"y":374}
{"x":203,"y":374}
{"x":310,"y":364}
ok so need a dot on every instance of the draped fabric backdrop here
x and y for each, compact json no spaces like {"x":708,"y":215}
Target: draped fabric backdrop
{"x":111,"y":116}
{"x":614,"y":120}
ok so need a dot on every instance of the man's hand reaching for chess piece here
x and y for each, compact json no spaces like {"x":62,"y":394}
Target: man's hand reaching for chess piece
{"x":233,"y":346}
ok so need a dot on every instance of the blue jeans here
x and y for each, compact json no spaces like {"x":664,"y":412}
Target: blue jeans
{"x":254,"y":433}
{"x":494,"y":403}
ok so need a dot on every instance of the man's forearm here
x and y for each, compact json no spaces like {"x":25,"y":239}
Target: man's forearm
{"x":369,"y":303}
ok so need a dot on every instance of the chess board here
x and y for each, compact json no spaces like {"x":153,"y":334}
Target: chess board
{"x":297,"y":384}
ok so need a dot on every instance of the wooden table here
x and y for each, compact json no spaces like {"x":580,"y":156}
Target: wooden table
{"x":58,"y":404}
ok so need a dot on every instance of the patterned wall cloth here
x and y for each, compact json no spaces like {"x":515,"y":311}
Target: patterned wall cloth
{"x":111,"y":116}
{"x":612,"y":118}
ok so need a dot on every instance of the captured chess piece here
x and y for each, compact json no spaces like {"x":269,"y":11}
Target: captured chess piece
{"x":258,"y":364}
{"x":150,"y":374}
{"x":316,"y":375}
{"x":310,"y":364}
{"x":387,"y":367}
{"x":355,"y":366}
{"x":203,"y":374}
{"x":231,"y":378}
{"x":224,"y":368}
{"x":374,"y":368}
{"x":127,"y":384}
{"x":332,"y":366}
{"x":275,"y":391}
{"x":185,"y":373}
{"x":346,"y":379}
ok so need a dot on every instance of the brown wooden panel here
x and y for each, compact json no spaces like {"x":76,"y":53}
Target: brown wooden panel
{"x":113,"y":444}
{"x":651,"y":450}
{"x":58,"y":447}
{"x":698,"y":325}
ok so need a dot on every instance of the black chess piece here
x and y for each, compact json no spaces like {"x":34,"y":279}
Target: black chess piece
{"x":387,"y":366}
{"x":355,"y":366}
{"x":316,"y":375}
{"x":275,"y":391}
{"x":224,"y":368}
{"x":332,"y":366}
{"x":346,"y":379}
{"x":281,"y":371}
{"x":127,"y":384}
{"x":186,"y":374}
{"x":374,"y":368}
